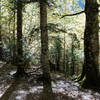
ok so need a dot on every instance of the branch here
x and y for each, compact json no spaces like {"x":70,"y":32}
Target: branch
{"x":73,"y":14}
{"x":30,"y":1}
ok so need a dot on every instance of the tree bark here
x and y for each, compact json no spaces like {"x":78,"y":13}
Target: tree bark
{"x":0,"y":43}
{"x":14,"y":44}
{"x":20,"y":67}
{"x":64,"y":63}
{"x":72,"y":58}
{"x":44,"y":50}
{"x":19,"y":28}
{"x":91,"y":44}
{"x":58,"y":62}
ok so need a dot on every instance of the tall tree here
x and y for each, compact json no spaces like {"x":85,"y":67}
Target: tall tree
{"x":72,"y":57}
{"x":44,"y":50}
{"x":58,"y":47}
{"x":91,"y":44}
{"x":14,"y":47}
{"x":20,"y":68}
{"x":0,"y":38}
{"x":0,"y":43}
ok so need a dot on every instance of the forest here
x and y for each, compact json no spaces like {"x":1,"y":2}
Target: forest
{"x":49,"y":50}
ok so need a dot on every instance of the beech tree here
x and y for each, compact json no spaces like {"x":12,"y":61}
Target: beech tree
{"x":91,"y":44}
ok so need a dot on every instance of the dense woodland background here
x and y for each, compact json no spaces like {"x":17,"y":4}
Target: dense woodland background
{"x":40,"y":39}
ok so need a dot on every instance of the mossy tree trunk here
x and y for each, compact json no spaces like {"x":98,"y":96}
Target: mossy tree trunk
{"x":44,"y":51}
{"x":91,"y":44}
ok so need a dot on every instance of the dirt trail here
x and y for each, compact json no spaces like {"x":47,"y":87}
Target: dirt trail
{"x":30,"y":89}
{"x":10,"y":90}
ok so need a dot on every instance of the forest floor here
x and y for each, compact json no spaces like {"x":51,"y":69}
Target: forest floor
{"x":30,"y":89}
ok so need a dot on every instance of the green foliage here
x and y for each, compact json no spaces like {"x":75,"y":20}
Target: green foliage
{"x":56,"y":28}
{"x":56,"y":50}
{"x":75,"y":40}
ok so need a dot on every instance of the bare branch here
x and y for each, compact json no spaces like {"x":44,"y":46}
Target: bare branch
{"x":73,"y":14}
{"x":30,"y":1}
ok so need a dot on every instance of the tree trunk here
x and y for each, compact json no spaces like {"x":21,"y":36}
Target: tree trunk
{"x":14,"y":45}
{"x":0,"y":43}
{"x":20,"y":68}
{"x":58,"y":62}
{"x":72,"y":58}
{"x":44,"y":50}
{"x":10,"y":48}
{"x":91,"y":44}
{"x":64,"y":63}
{"x":0,"y":39}
{"x":19,"y":28}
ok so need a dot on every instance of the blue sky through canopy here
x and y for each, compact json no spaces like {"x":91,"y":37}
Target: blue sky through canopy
{"x":81,"y":4}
